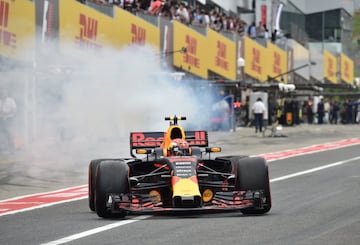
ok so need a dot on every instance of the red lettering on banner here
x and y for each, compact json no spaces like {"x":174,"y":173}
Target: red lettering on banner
{"x":88,"y":32}
{"x":139,"y":34}
{"x":346,"y":70}
{"x":330,"y":68}
{"x":7,"y":37}
{"x":277,"y":63}
{"x":4,"y":14}
{"x":255,"y":63}
{"x":191,"y":48}
{"x":220,"y":59}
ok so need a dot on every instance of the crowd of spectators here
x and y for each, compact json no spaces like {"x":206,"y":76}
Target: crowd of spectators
{"x":197,"y":16}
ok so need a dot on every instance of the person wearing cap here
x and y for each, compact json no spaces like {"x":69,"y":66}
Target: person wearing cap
{"x":259,"y":110}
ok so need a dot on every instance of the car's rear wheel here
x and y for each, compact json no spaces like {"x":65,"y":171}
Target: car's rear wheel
{"x":111,"y":177}
{"x":253,"y":174}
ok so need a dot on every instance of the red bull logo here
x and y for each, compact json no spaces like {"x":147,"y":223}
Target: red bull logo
{"x":154,"y":139}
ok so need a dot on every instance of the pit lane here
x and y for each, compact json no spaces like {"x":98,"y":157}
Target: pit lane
{"x":315,"y":208}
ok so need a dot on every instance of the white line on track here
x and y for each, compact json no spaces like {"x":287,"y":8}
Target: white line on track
{"x":138,"y":218}
{"x":96,"y":230}
{"x":289,"y":176}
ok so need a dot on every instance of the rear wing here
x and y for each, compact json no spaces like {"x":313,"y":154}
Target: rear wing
{"x":155,"y":139}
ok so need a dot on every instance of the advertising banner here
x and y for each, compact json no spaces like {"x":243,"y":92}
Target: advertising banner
{"x":255,"y":55}
{"x":17,"y":29}
{"x":222,"y":55}
{"x":83,"y":27}
{"x":194,"y":60}
{"x":277,"y":62}
{"x":330,"y":67}
{"x":347,"y":69}
{"x":130,"y":29}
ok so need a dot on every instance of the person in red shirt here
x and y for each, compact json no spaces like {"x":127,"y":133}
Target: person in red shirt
{"x":155,"y":7}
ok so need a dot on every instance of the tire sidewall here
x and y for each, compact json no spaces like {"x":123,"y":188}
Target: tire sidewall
{"x":112,"y":176}
{"x":253,"y":174}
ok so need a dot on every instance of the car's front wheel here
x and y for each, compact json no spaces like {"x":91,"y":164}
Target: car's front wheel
{"x":111,"y":177}
{"x":253,"y":174}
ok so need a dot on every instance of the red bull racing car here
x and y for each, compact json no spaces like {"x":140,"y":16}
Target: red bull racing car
{"x":177,"y":173}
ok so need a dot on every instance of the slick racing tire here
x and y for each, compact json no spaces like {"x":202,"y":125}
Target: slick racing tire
{"x":111,"y":177}
{"x":91,"y":182}
{"x":253,"y":174}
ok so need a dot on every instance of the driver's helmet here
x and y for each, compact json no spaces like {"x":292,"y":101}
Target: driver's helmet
{"x":178,"y":147}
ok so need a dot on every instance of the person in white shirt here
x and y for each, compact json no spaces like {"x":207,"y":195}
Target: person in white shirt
{"x":183,"y":14}
{"x":259,"y":110}
{"x":7,"y":114}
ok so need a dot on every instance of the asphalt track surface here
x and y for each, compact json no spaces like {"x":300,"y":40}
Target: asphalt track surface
{"x":316,"y":200}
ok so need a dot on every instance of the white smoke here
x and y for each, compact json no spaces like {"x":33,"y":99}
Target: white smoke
{"x":86,"y":104}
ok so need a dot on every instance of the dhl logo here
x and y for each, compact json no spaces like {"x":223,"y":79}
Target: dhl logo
{"x":277,"y":63}
{"x":330,"y":68}
{"x":346,"y":70}
{"x":190,"y":56}
{"x":255,"y":63}
{"x":88,"y":31}
{"x":154,"y":139}
{"x":220,"y":59}
{"x":138,"y":34}
{"x":4,"y":14}
{"x":7,"y":38}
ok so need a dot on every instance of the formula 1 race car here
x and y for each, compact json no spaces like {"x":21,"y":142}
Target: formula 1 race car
{"x":178,"y":173}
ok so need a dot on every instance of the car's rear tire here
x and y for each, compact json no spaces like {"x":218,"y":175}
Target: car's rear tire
{"x":253,"y":174}
{"x":112,"y":176}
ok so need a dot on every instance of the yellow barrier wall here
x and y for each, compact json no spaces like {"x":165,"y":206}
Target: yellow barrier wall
{"x":347,"y":69}
{"x":276,"y":62}
{"x":255,"y":63}
{"x":17,"y":29}
{"x":195,"y":60}
{"x":222,"y":55}
{"x":82,"y":26}
{"x":130,"y":29}
{"x":330,"y":67}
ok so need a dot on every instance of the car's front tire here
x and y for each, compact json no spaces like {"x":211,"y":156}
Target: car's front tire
{"x":111,"y":177}
{"x":253,"y":174}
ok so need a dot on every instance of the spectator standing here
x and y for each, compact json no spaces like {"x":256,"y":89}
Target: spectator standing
{"x":156,"y":7}
{"x":273,"y":36}
{"x":259,"y":110}
{"x":183,"y":14}
{"x":310,"y":112}
{"x":326,"y":111}
{"x":7,"y":115}
{"x":265,"y":31}
{"x":334,"y":112}
{"x":320,"y":111}
{"x":348,"y":115}
{"x":252,"y":30}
